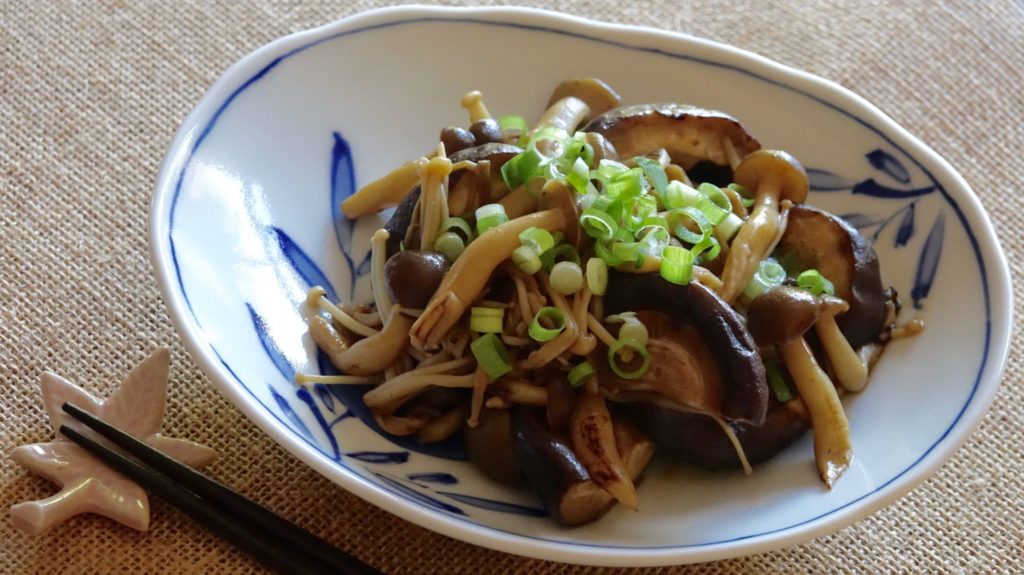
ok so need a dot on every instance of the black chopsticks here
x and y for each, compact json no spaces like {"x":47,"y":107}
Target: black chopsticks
{"x":271,"y":539}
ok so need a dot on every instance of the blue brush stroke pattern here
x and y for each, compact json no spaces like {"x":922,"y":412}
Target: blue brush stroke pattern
{"x":826,"y":181}
{"x":492,"y":505}
{"x":886,"y":162}
{"x":442,"y":478}
{"x":422,"y":498}
{"x":306,"y":397}
{"x":287,"y":410}
{"x":343,"y":185}
{"x":389,"y":457}
{"x":906,"y":229}
{"x":325,"y":396}
{"x":273,"y":352}
{"x":870,"y":187}
{"x":303,"y":265}
{"x":928,"y":262}
{"x":861,"y":221}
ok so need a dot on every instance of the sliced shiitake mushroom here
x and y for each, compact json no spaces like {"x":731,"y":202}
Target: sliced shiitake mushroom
{"x":817,"y":239}
{"x":732,"y":384}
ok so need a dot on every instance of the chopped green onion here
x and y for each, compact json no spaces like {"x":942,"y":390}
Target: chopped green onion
{"x":597,"y":276}
{"x":655,"y":173}
{"x":579,"y":176}
{"x":450,"y":244}
{"x":777,"y":382}
{"x":814,"y":282}
{"x":683,"y":232}
{"x":492,"y":356}
{"x":486,"y":319}
{"x":513,"y":123}
{"x":706,"y":249}
{"x":538,"y":239}
{"x":598,"y":224}
{"x":543,"y":334}
{"x":677,"y":265}
{"x":489,"y":216}
{"x":580,"y":373}
{"x":627,"y":251}
{"x":730,"y":225}
{"x":604,"y":251}
{"x":635,"y":346}
{"x":679,"y":195}
{"x":769,"y":275}
{"x":634,"y":329}
{"x":716,"y":195}
{"x":606,"y":169}
{"x":526,"y":259}
{"x":566,"y":278}
{"x":565,"y":253}
{"x":460,"y":225}
{"x":522,"y":167}
{"x":625,"y":184}
{"x":637,"y":209}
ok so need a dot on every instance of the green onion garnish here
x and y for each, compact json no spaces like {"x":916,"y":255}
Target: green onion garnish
{"x":566,"y":278}
{"x":746,"y":198}
{"x":635,"y":346}
{"x":565,"y":253}
{"x":625,"y":184}
{"x":492,"y":356}
{"x":526,"y":259}
{"x":543,"y":334}
{"x":486,"y":319}
{"x":769,"y":275}
{"x":730,"y":225}
{"x":489,"y":216}
{"x":677,"y":219}
{"x":597,"y":276}
{"x":513,"y":123}
{"x":814,"y":282}
{"x":777,"y":382}
{"x":450,"y":244}
{"x":677,"y":265}
{"x":459,"y":224}
{"x":522,"y":167}
{"x":598,"y":224}
{"x":579,"y":176}
{"x":580,"y":373}
{"x":654,"y":172}
{"x":538,"y":239}
{"x":707,"y":249}
{"x":716,"y":195}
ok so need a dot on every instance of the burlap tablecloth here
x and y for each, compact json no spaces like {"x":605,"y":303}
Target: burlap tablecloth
{"x":91,"y":94}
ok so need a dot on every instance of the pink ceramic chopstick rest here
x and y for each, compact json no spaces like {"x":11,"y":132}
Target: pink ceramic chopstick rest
{"x":88,"y":486}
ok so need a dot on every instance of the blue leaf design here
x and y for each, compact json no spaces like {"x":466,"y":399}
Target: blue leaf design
{"x":906,"y":229}
{"x":364,"y":267}
{"x":380,"y":456}
{"x":325,"y":396}
{"x":870,"y":187}
{"x":443,"y":478}
{"x":302,"y":263}
{"x":307,"y":398}
{"x":861,"y":221}
{"x":928,"y":263}
{"x":493,"y":505}
{"x":885,"y":162}
{"x":826,"y":181}
{"x":287,"y":410}
{"x":343,"y":184}
{"x":417,"y":496}
{"x":271,"y":349}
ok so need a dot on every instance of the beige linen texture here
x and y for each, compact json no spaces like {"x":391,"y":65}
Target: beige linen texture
{"x":91,"y":94}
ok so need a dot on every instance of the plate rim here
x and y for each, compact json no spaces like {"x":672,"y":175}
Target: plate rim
{"x":990,"y":253}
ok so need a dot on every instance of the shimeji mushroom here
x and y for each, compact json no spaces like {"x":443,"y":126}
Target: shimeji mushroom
{"x":780,"y":317}
{"x":368,"y":356}
{"x":592,"y":435}
{"x":850,"y":370}
{"x":774,"y":175}
{"x":470,"y":273}
{"x":598,"y":96}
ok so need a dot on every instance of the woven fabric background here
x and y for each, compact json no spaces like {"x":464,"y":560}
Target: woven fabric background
{"x":91,"y":94}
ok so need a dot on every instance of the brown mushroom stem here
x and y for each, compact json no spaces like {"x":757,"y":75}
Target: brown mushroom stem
{"x":389,"y":395}
{"x":522,"y":393}
{"x":433,"y":198}
{"x":565,"y":114}
{"x":383,"y":193}
{"x":367,"y":356}
{"x":850,"y":370}
{"x":473,"y":102}
{"x":471,"y":272}
{"x":593,"y":442}
{"x":599,"y":97}
{"x":445,"y":426}
{"x":752,"y":242}
{"x":316,"y":298}
{"x":519,"y":202}
{"x":833,"y":451}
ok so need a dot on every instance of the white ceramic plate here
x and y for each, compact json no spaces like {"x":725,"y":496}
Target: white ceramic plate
{"x":244,"y":220}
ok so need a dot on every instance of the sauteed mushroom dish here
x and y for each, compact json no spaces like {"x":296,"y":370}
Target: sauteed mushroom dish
{"x":573,"y":295}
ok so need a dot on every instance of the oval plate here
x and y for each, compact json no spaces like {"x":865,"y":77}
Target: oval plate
{"x":245,"y":219}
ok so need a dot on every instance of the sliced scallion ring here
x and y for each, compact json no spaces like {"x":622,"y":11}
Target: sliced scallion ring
{"x":677,"y":265}
{"x":597,"y":276}
{"x":580,"y":373}
{"x":814,"y":282}
{"x":636,"y":347}
{"x":544,"y":334}
{"x":492,"y":355}
{"x":527,"y":260}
